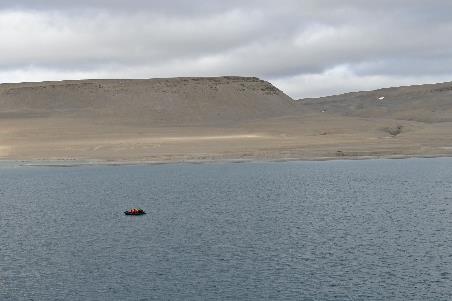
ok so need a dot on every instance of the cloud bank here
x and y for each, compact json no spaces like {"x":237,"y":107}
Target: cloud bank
{"x":307,"y":48}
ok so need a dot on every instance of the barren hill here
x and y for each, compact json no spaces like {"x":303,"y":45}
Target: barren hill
{"x":157,"y":102}
{"x":424,"y":103}
{"x":218,"y":118}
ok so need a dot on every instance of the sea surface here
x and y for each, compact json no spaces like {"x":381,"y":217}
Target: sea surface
{"x":338,"y":230}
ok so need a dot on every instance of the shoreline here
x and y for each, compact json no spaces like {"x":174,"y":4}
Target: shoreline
{"x":97,"y":162}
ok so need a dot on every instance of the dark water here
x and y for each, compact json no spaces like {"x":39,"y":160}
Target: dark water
{"x":344,"y":230}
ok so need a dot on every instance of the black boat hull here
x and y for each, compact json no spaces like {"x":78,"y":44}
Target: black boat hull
{"x":130,"y":213}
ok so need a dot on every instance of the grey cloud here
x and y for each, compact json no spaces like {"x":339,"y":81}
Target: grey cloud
{"x":286,"y":41}
{"x":173,"y":7}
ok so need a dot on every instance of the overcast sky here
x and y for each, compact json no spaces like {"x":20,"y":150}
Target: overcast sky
{"x":306,"y":48}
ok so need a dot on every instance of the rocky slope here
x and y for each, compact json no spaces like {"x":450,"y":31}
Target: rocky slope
{"x":157,"y":102}
{"x":424,"y":103}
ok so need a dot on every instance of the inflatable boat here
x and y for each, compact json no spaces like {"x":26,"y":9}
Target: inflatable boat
{"x":134,"y":211}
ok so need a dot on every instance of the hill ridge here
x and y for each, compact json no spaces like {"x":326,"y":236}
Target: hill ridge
{"x":428,"y":103}
{"x":181,"y":100}
{"x":447,"y":87}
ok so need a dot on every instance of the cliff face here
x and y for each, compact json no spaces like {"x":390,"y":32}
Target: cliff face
{"x":176,"y":101}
